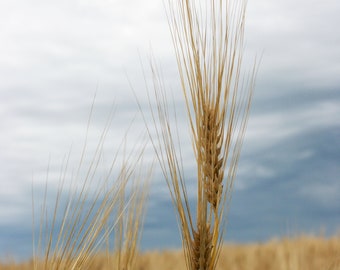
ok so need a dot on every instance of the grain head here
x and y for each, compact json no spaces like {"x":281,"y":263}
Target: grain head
{"x":208,"y":43}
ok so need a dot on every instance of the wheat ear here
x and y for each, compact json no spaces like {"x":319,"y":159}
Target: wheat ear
{"x":208,"y":42}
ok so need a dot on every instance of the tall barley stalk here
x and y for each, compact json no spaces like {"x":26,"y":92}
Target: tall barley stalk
{"x":208,"y":42}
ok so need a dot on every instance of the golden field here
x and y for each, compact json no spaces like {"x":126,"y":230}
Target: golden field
{"x":302,"y":253}
{"x":209,"y":47}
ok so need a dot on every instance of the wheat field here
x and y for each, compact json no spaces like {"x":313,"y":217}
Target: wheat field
{"x":209,"y":45}
{"x":300,"y":253}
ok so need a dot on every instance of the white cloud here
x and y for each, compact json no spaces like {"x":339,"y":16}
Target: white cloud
{"x":272,"y":127}
{"x":298,"y":41}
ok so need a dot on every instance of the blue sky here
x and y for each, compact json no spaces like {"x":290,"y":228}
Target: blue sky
{"x":54,"y":55}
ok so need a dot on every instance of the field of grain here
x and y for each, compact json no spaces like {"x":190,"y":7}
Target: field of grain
{"x":312,"y":253}
{"x":208,"y":43}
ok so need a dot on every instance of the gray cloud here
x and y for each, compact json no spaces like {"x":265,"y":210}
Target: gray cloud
{"x":54,"y":56}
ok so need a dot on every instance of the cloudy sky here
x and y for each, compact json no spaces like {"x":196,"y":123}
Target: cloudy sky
{"x":55,"y":55}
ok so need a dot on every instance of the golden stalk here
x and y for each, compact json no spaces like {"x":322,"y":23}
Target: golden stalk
{"x":88,"y":208}
{"x":208,"y":43}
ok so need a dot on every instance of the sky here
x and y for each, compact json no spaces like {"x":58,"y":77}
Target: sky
{"x":55,"y":55}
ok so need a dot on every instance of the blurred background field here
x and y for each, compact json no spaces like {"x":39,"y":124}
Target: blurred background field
{"x":300,"y":253}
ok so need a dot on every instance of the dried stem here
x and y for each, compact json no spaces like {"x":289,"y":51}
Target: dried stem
{"x":74,"y":227}
{"x":208,"y":43}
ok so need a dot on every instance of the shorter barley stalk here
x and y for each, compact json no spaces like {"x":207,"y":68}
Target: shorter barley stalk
{"x":129,"y":227}
{"x":208,"y":42}
{"x":87,"y":208}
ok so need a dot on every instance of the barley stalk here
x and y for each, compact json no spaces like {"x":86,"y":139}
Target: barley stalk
{"x":88,"y":207}
{"x":128,"y":230}
{"x":208,"y":43}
